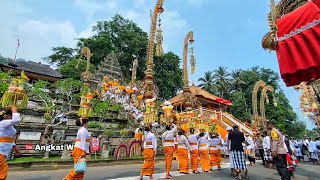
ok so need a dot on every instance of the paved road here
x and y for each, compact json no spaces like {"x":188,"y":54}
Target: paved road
{"x":131,"y":172}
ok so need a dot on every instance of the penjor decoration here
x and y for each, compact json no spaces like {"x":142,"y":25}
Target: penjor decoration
{"x":86,"y":108}
{"x":147,"y":88}
{"x":16,"y":94}
{"x":189,"y":99}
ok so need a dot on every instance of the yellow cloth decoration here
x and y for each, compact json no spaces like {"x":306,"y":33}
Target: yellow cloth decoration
{"x":274,"y":135}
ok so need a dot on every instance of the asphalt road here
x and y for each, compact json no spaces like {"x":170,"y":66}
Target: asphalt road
{"x":131,"y":172}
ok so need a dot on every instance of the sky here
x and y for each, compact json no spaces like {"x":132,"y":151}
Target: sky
{"x":226,"y":33}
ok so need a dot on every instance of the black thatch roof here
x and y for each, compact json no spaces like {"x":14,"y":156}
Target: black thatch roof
{"x":34,"y":67}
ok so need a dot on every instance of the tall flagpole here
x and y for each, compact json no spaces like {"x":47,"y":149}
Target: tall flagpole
{"x":15,"y":56}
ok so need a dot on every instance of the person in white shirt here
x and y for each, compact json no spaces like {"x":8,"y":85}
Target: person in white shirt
{"x":298,"y":151}
{"x":215,"y":150}
{"x":81,"y":147}
{"x":149,"y":152}
{"x":251,"y":150}
{"x":317,"y":143}
{"x":267,"y":149}
{"x":313,"y":151}
{"x":8,"y":118}
{"x":183,"y":147}
{"x":305,"y":146}
{"x":168,"y":147}
{"x":194,"y":151}
{"x":229,"y":129}
{"x":203,"y":143}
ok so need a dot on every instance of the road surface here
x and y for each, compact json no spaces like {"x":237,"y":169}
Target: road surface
{"x":131,"y":172}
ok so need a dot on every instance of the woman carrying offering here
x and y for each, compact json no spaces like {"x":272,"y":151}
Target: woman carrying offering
{"x":81,"y":148}
{"x":204,"y":152}
{"x":168,"y":147}
{"x":215,"y":150}
{"x":150,"y":149}
{"x":8,"y":118}
{"x":194,"y":151}
{"x":183,"y":147}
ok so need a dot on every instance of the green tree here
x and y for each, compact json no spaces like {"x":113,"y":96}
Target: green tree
{"x":240,"y":93}
{"x":68,"y":91}
{"x":41,"y":92}
{"x":61,"y":55}
{"x":222,"y":80}
{"x":207,"y":82}
{"x":122,"y":36}
{"x":238,"y":109}
{"x":238,"y":83}
{"x":168,"y":75}
{"x":74,"y":68}
{"x":4,"y":82}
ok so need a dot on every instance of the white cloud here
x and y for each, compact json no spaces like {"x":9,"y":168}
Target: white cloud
{"x":37,"y":36}
{"x":92,"y":7}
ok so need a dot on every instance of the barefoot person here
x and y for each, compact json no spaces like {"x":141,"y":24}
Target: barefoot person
{"x":215,"y":151}
{"x":204,"y":151}
{"x":149,"y":152}
{"x":81,"y":148}
{"x":194,"y":152}
{"x":235,"y":140}
{"x":183,"y":147}
{"x":168,"y":147}
{"x":8,"y":118}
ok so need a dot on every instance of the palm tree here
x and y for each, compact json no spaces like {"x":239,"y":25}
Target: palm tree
{"x":237,"y":80}
{"x":207,"y":82}
{"x":222,"y":79}
{"x":237,"y":83}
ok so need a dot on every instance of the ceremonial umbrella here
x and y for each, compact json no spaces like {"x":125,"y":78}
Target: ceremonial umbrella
{"x":298,"y":44}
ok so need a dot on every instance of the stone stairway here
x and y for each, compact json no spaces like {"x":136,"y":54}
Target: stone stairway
{"x":228,"y":120}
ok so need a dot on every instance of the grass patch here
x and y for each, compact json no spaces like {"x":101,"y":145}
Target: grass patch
{"x":33,"y":159}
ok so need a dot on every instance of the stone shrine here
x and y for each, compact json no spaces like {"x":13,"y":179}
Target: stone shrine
{"x":109,"y":67}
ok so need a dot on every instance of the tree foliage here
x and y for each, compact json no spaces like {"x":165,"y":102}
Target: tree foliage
{"x":128,"y":41}
{"x":238,"y":86}
{"x":68,"y":90}
{"x":4,"y":82}
{"x":4,"y":60}
{"x":74,"y":68}
{"x":61,"y":55}
{"x":168,"y":75}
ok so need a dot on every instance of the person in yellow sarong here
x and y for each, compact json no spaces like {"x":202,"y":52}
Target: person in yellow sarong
{"x":183,"y":147}
{"x":81,"y":148}
{"x":150,"y":149}
{"x":215,"y":150}
{"x":204,"y":152}
{"x":168,"y":147}
{"x":194,"y":151}
{"x":8,"y":118}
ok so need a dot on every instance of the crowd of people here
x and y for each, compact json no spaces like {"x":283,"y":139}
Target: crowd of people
{"x":201,"y":145}
{"x":128,"y":101}
{"x":274,"y":148}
